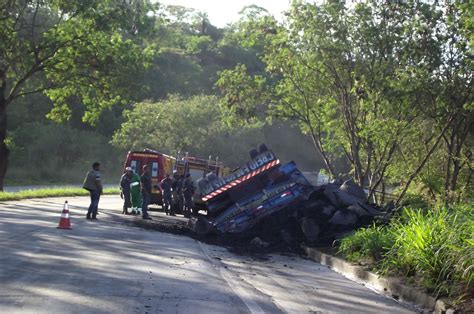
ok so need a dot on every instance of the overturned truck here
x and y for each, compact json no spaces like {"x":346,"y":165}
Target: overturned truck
{"x":266,"y":191}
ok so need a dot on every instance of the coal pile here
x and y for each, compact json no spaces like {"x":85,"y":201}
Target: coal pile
{"x":334,"y":210}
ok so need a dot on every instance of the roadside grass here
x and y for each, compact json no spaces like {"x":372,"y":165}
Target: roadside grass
{"x":433,"y":248}
{"x":54,"y":192}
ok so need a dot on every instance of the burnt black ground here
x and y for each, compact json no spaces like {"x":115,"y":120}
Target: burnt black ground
{"x":277,"y":236}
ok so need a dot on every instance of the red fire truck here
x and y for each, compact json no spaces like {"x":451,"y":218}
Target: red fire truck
{"x":162,"y":164}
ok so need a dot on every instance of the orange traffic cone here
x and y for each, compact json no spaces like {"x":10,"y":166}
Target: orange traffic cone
{"x":65,"y":222}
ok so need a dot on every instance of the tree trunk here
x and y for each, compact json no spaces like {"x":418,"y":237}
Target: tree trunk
{"x":4,"y":152}
{"x":423,"y":162}
{"x":3,"y":127}
{"x":318,"y":145}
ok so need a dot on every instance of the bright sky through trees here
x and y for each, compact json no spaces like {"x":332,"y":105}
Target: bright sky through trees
{"x":222,"y":12}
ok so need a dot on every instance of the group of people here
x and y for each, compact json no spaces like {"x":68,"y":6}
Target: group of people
{"x":135,"y":190}
{"x":177,"y":192}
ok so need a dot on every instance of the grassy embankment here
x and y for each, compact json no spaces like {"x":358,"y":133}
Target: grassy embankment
{"x":55,"y":192}
{"x":431,"y":248}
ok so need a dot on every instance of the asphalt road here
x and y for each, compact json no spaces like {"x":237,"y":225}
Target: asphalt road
{"x":107,"y":266}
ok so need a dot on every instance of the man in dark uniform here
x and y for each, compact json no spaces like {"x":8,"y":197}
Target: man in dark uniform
{"x":188,"y":192}
{"x":174,"y":188}
{"x":179,"y":193}
{"x":166,"y":194}
{"x":125,"y":181}
{"x":145,"y":180}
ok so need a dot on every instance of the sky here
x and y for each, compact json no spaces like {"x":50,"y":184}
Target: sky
{"x":221,"y":12}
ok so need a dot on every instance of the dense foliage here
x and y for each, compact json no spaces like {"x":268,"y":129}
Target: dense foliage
{"x":434,"y":248}
{"x":183,"y":54}
{"x":77,"y":53}
{"x":387,"y":88}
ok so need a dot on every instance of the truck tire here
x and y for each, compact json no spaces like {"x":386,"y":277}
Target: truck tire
{"x":202,"y":184}
{"x":211,"y":176}
{"x":262,"y":148}
{"x":253,"y":153}
{"x":202,"y":226}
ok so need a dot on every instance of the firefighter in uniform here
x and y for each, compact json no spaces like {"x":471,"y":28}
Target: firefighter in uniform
{"x":188,"y":192}
{"x":125,"y":187}
{"x":165,"y":185}
{"x":174,"y":192}
{"x":179,"y":193}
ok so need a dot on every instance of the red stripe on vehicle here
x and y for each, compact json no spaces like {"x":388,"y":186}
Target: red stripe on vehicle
{"x":240,"y":180}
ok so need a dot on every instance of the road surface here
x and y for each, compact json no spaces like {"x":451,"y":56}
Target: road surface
{"x":107,"y":266}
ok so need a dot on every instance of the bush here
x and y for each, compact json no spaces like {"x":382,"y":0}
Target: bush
{"x":435,"y":247}
{"x":367,"y":244}
{"x":48,"y":153}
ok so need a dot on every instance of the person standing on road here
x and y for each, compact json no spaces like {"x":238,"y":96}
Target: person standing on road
{"x":145,"y":180}
{"x":135,"y":193}
{"x":166,"y":194}
{"x":174,"y":188}
{"x":179,"y":193}
{"x":93,"y":184}
{"x":125,"y":182}
{"x":188,"y":192}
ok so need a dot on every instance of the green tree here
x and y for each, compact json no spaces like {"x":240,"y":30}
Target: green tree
{"x":81,"y":50}
{"x":362,"y":81}
{"x":195,"y":125}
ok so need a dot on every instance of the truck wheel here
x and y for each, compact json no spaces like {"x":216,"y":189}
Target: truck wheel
{"x":202,"y":184}
{"x":211,"y":176}
{"x":253,"y":153}
{"x":262,"y":148}
{"x":203,"y":227}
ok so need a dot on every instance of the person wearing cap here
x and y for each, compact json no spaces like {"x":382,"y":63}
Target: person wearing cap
{"x":165,"y":185}
{"x":145,"y":180}
{"x":93,"y":184}
{"x":188,"y":192}
{"x":125,"y":181}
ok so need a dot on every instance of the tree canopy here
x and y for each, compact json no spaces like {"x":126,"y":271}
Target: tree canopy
{"x":382,"y":92}
{"x":385,"y":87}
